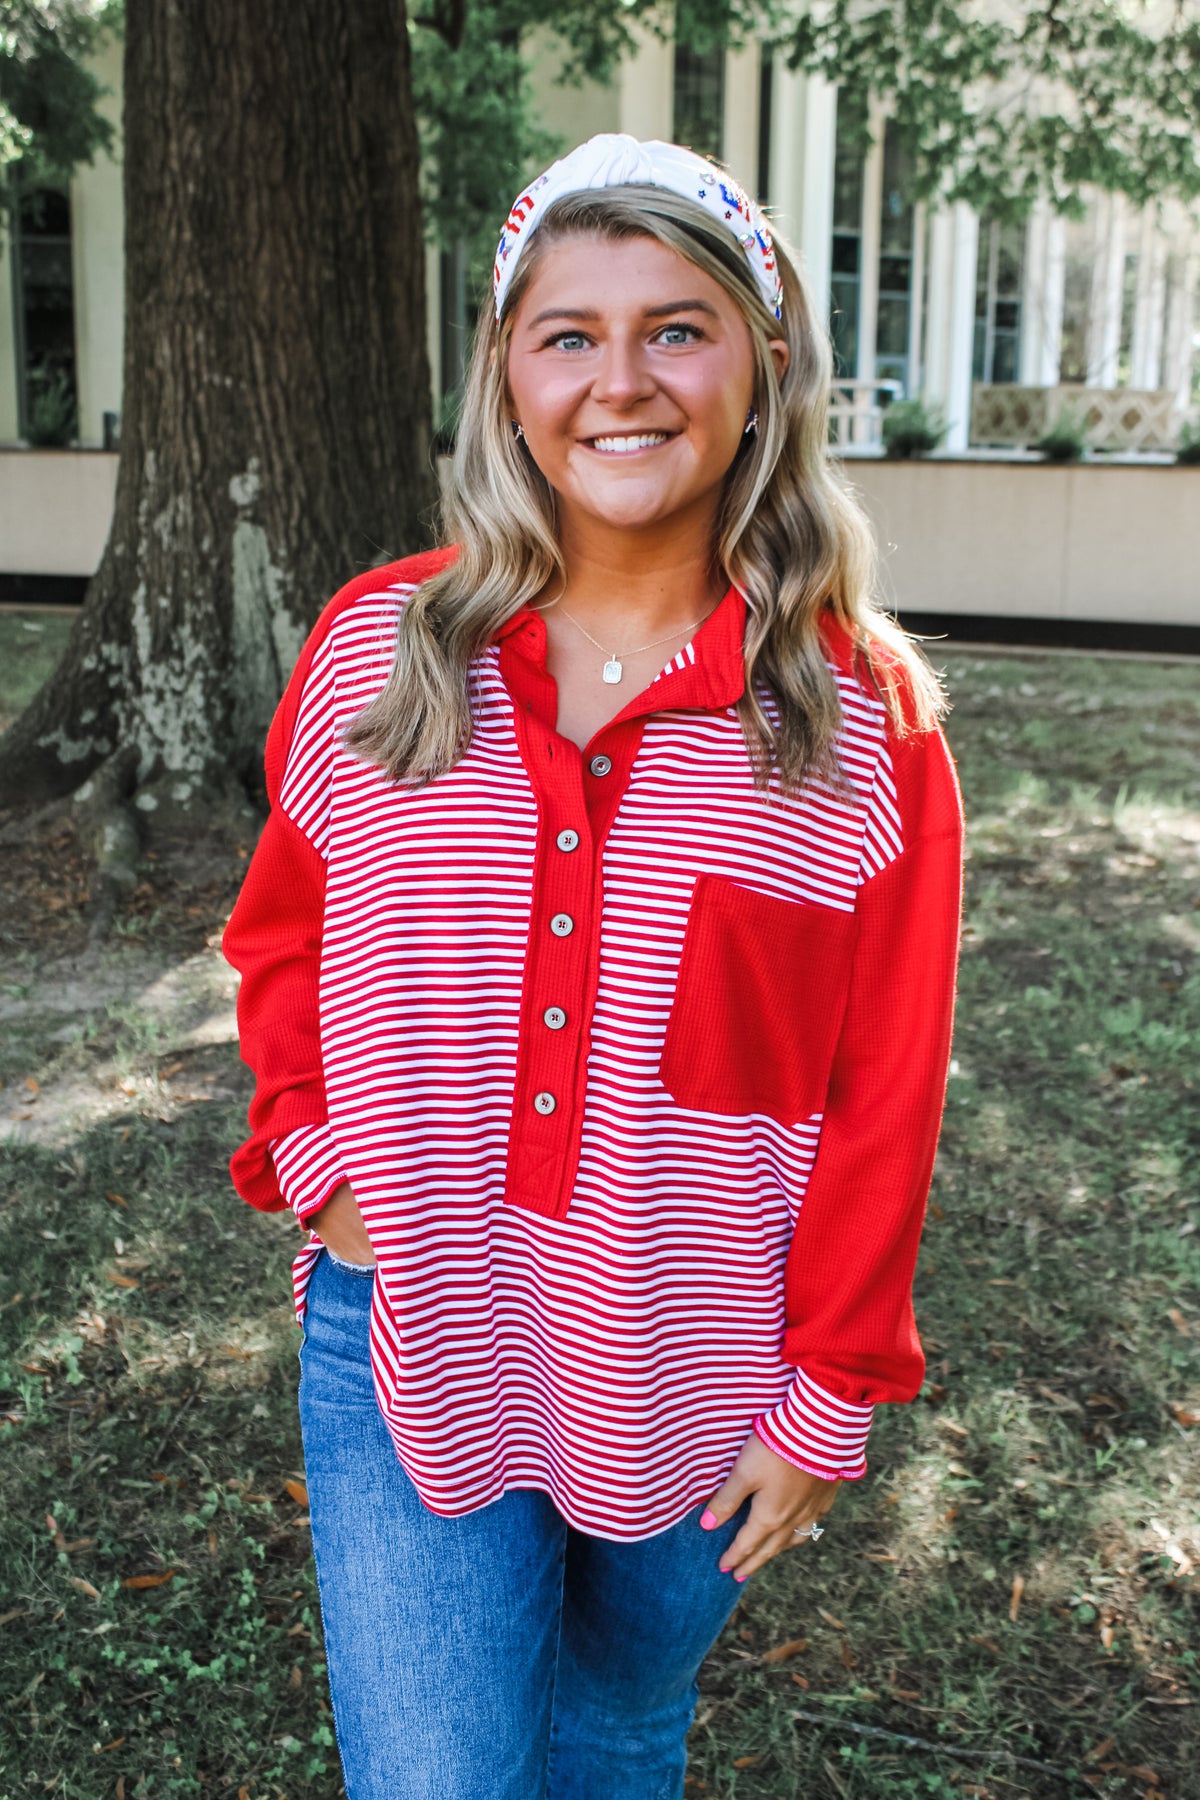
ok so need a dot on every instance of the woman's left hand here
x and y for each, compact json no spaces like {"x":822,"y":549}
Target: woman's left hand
{"x":785,"y":1499}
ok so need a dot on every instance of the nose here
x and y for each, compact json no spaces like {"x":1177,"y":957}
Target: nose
{"x":623,"y":375}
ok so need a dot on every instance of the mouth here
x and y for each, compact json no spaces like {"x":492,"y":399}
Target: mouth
{"x":628,"y":443}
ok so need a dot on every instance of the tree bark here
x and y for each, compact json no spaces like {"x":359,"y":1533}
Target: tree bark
{"x":275,"y":434}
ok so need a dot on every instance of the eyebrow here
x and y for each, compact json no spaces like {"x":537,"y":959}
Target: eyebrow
{"x":589,"y":313}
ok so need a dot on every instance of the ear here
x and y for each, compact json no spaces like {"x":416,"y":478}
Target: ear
{"x":781,"y":356}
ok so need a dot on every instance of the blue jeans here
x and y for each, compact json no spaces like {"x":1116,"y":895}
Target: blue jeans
{"x":502,"y":1655}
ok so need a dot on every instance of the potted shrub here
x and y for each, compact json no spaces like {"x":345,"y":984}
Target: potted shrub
{"x":52,"y":420}
{"x":1188,"y":448}
{"x":1064,"y":440}
{"x":911,"y":428}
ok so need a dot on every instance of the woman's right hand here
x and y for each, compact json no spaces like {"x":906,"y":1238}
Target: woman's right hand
{"x":340,"y":1228}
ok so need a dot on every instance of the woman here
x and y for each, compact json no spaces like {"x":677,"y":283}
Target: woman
{"x":598,"y":963}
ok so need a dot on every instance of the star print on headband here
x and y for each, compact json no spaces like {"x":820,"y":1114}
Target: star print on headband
{"x":614,"y":159}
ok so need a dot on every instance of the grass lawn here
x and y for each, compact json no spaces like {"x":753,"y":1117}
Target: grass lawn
{"x":1006,"y":1606}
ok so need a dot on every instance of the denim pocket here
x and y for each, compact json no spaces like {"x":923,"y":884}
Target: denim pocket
{"x":758,"y":1004}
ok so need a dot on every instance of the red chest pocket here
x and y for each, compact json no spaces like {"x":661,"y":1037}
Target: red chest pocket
{"x":759,"y":1003}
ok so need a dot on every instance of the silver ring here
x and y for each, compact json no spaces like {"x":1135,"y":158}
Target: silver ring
{"x":813,"y":1531}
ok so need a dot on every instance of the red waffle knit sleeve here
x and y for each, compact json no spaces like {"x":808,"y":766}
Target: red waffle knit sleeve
{"x":849,"y":1324}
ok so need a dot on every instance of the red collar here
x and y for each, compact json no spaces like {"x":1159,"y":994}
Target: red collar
{"x":715,"y":678}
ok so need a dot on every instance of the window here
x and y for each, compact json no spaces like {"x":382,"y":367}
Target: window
{"x":44,"y":317}
{"x":699,"y":120}
{"x":895,"y":261}
{"x":846,"y":250}
{"x":1077,"y":300}
{"x":999,"y":273}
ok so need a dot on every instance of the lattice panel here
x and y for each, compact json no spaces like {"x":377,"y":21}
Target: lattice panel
{"x":1112,"y":418}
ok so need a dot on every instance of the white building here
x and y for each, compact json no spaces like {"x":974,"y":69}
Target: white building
{"x":929,"y":301}
{"x":996,"y":325}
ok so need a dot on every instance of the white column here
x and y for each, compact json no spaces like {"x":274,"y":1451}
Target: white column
{"x":646,"y":86}
{"x":950,"y":328}
{"x":739,"y":130}
{"x":1181,"y":330}
{"x":1146,"y":354}
{"x":8,"y":345}
{"x":962,"y":326}
{"x":98,"y":271}
{"x":433,"y":324}
{"x":868,"y":255}
{"x":916,"y":301}
{"x":1108,"y":280}
{"x":1042,"y":289}
{"x":803,"y":139}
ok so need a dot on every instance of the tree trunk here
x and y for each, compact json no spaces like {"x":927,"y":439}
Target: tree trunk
{"x":275,"y":434}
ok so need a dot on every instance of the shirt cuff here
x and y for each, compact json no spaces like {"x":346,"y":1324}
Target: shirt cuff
{"x":818,"y":1432}
{"x":309,"y":1166}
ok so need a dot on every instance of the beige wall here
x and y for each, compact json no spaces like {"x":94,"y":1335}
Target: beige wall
{"x":1031,"y":540}
{"x":1023,"y":539}
{"x":55,"y":508}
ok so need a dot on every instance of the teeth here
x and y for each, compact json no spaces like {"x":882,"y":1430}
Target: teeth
{"x":645,"y":440}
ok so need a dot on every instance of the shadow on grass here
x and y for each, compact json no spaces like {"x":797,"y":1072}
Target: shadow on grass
{"x":1017,"y":1574}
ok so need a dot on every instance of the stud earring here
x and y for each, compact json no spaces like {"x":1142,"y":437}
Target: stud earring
{"x":751,"y":427}
{"x":518,"y":430}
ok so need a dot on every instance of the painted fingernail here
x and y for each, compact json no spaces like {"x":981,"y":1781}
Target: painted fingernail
{"x":708,"y":1519}
{"x":741,"y":1578}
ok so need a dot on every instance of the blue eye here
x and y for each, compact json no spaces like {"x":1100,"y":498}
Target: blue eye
{"x":569,"y":340}
{"x":679,"y":334}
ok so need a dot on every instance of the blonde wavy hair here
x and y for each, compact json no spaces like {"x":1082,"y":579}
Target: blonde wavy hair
{"x":789,"y":533}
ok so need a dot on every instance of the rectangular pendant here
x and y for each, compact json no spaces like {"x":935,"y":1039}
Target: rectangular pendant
{"x":612,"y":671}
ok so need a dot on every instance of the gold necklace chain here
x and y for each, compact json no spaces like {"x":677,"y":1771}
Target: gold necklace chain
{"x":612,"y":668}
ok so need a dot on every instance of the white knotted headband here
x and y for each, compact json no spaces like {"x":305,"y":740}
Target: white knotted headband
{"x":614,"y":159}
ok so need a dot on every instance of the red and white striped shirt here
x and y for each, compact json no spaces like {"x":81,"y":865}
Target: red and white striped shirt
{"x":636,"y":1071}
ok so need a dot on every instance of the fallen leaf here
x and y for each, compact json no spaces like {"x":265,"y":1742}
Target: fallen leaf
{"x":781,"y":1652}
{"x":1102,"y":1749}
{"x":298,"y":1492}
{"x":1179,"y":1322}
{"x":746,"y":1762}
{"x":171,"y":1069}
{"x":149,"y":1581}
{"x":800,"y":1681}
{"x":1014,"y":1605}
{"x":879,"y":1556}
{"x":85,"y":1587}
{"x":1106,"y":1636}
{"x":298,"y":1631}
{"x":120,"y":1794}
{"x":958,"y":1430}
{"x":906,"y":1693}
{"x":117,"y":1200}
{"x":296,"y":1678}
{"x":34,"y":1369}
{"x":1184,"y":1416}
{"x":988,"y":1644}
{"x":14,"y":1612}
{"x":125,"y":1281}
{"x":830,"y":1620}
{"x":849,"y":1660}
{"x":115,"y":1745}
{"x":212,"y":1543}
{"x":1142,"y":1773}
{"x":1004,"y":1283}
{"x":33,"y":1086}
{"x":936,"y":1210}
{"x":243,"y":1793}
{"x":949,"y":1516}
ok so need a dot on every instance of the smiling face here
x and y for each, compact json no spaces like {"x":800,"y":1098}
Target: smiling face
{"x":631,"y":372}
